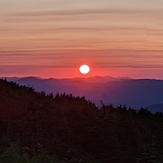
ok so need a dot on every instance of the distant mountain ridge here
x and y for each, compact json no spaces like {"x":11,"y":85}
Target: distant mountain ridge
{"x":158,"y":107}
{"x":131,"y":92}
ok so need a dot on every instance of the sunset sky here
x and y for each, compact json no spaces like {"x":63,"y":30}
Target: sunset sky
{"x":52,"y":38}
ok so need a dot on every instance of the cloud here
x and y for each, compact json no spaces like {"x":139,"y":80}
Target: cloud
{"x":128,"y":65}
{"x":99,"y":58}
{"x":86,"y":12}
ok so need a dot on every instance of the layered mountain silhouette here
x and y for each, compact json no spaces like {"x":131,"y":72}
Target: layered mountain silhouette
{"x":131,"y":92}
{"x":36,"y":127}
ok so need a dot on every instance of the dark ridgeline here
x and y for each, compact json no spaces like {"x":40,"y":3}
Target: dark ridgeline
{"x":36,"y":127}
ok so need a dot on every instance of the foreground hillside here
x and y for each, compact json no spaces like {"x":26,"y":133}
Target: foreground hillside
{"x":35,"y":127}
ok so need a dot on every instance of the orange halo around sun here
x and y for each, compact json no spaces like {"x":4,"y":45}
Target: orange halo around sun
{"x":84,"y":69}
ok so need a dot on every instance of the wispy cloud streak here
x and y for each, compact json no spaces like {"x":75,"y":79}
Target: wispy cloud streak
{"x":88,"y":11}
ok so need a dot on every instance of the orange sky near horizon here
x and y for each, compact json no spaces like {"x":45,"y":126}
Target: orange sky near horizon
{"x":52,"y":38}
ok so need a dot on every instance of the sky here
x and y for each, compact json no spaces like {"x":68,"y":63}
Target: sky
{"x":52,"y":38}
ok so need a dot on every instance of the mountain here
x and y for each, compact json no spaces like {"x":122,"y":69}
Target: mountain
{"x":156,"y":107}
{"x":131,"y":92}
{"x":35,"y":127}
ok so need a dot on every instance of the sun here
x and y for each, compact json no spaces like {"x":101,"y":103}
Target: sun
{"x":84,"y":69}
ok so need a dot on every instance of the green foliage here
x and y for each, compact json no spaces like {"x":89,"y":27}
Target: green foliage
{"x":14,"y":155}
{"x":150,"y":155}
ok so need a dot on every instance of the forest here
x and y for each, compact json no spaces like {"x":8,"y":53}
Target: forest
{"x":36,"y":127}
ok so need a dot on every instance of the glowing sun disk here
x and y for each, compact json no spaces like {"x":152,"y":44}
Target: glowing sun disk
{"x":84,"y":69}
